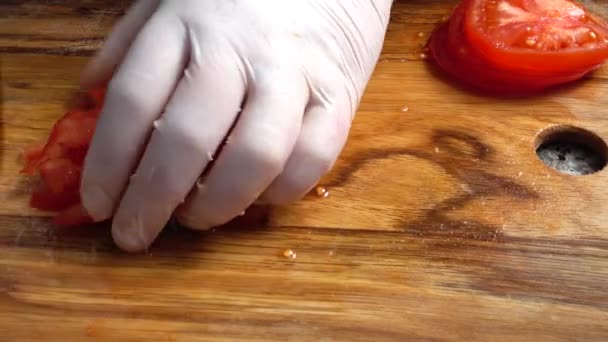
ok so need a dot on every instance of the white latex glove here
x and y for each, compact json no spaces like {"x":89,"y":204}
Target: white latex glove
{"x":286,"y":75}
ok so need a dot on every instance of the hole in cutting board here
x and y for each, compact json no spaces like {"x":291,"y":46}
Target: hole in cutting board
{"x":572,"y":150}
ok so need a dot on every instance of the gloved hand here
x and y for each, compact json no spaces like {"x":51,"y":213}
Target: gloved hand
{"x":279,"y":81}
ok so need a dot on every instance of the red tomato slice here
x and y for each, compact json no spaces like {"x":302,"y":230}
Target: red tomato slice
{"x":548,"y":36}
{"x":464,"y":60}
{"x":454,"y":54}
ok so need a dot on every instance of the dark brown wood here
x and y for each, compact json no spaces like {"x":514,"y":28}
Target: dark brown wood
{"x":441,"y":223}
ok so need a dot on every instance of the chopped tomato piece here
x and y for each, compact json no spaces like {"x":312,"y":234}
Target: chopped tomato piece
{"x":60,"y":159}
{"x":32,"y":158}
{"x":73,"y":216}
{"x":44,"y":199}
{"x":60,"y":175}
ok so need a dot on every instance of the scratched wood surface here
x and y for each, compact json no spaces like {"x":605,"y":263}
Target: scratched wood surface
{"x":441,"y":223}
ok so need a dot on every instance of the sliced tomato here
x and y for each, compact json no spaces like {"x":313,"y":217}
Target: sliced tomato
{"x":557,"y":36}
{"x":455,"y":54}
{"x":461,"y":56}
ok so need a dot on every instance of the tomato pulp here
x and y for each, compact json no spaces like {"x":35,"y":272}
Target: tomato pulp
{"x":60,"y":159}
{"x":519,"y":45}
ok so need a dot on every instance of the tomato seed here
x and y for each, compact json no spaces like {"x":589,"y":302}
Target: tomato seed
{"x":289,"y":254}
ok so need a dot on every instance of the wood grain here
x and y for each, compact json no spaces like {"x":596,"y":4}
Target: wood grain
{"x":441,"y":223}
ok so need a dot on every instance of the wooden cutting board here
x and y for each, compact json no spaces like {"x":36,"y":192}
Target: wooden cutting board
{"x":441,"y":221}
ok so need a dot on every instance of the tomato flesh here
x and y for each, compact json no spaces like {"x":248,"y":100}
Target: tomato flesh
{"x":519,"y":45}
{"x":60,"y":159}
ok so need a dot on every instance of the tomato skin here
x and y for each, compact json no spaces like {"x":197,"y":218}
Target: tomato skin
{"x":60,"y":159}
{"x":462,"y":59}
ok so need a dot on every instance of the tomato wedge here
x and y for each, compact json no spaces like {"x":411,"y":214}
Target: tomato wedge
{"x":60,"y":159}
{"x":519,"y":45}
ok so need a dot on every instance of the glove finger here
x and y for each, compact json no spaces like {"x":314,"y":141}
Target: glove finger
{"x":198,"y":117}
{"x":322,"y":138}
{"x":136,"y":97}
{"x":255,"y":153}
